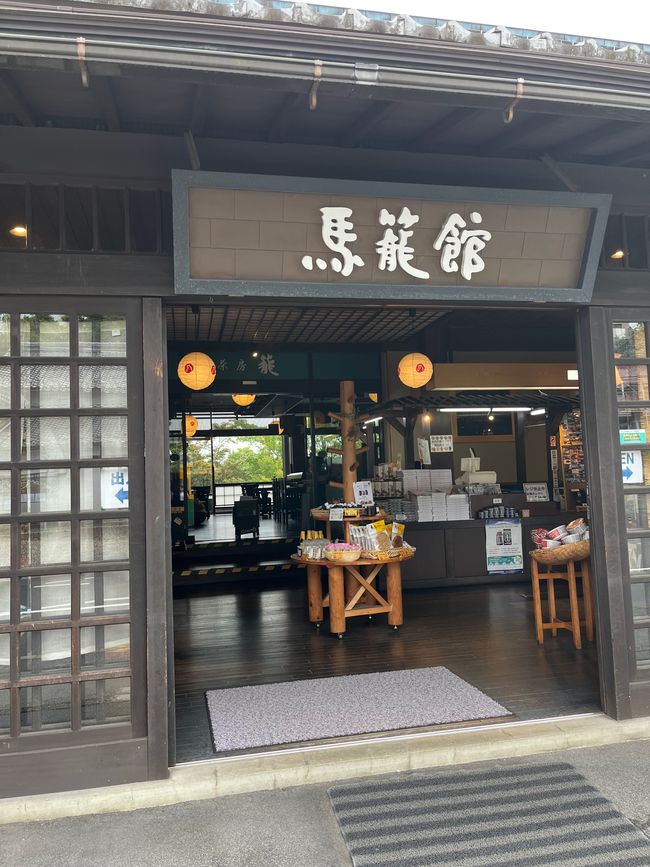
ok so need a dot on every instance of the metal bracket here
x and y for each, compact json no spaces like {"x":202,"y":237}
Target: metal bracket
{"x":313,"y":93}
{"x":81,"y":55}
{"x":509,"y":112}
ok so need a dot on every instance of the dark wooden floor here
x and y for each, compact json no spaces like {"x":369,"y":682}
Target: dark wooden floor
{"x":257,"y":633}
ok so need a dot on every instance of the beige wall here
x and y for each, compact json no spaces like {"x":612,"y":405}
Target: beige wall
{"x":500,"y":457}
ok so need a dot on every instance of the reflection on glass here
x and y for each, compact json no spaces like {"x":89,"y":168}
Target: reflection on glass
{"x":105,"y":647}
{"x":642,"y":647}
{"x":5,"y":334}
{"x":45,"y":651}
{"x":104,"y":593}
{"x":4,"y":656}
{"x":629,"y":340}
{"x":639,"y":556}
{"x":105,"y":701}
{"x":44,"y":543}
{"x":5,"y":546}
{"x":641,"y":601}
{"x":634,"y":426}
{"x":5,"y":717}
{"x":102,"y":387}
{"x":102,"y":336}
{"x":44,"y":386}
{"x":44,"y":491}
{"x":45,"y":707}
{"x":5,"y":492}
{"x":45,"y":597}
{"x":104,"y":540}
{"x":5,"y":386}
{"x":5,"y":597}
{"x":103,"y":488}
{"x":44,"y":334}
{"x":5,"y":439}
{"x":637,"y":511}
{"x":45,"y":439}
{"x":103,"y":436}
{"x":631,"y":382}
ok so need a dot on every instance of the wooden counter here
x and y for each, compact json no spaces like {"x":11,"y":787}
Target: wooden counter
{"x":452,"y":553}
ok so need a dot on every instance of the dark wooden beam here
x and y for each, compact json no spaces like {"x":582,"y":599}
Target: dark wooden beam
{"x":571,"y":146}
{"x":630,"y":154}
{"x":365,"y":123}
{"x":520,"y":129}
{"x":102,"y":89}
{"x":559,"y":173}
{"x":19,"y":105}
{"x":200,"y":104}
{"x":440,"y":128}
{"x":291,"y":105}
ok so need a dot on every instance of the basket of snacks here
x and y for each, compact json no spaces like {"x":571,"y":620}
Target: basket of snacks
{"x":342,"y":552}
{"x":561,"y":544}
{"x":556,"y":556}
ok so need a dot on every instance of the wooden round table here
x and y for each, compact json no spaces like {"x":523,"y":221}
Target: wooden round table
{"x":352,"y":591}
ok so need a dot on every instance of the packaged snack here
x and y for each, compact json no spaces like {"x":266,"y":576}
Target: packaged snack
{"x":397,"y":535}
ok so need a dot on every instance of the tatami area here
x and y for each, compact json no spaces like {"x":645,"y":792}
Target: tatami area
{"x":254,"y":633}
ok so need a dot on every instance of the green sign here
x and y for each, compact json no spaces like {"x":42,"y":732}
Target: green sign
{"x":632,"y":437}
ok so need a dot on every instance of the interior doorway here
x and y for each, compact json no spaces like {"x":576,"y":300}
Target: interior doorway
{"x":240,"y":600}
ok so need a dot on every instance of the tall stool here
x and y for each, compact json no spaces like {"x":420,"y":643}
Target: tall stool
{"x":551,"y":576}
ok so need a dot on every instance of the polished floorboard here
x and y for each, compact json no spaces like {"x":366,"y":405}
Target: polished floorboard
{"x":220,"y":528}
{"x":259,"y":633}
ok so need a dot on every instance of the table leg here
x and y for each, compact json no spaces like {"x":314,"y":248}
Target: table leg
{"x":552,"y":610}
{"x":394,"y":593}
{"x":351,"y":585}
{"x":337,"y":599}
{"x":573,"y":599}
{"x":314,"y":593}
{"x":587,"y":599}
{"x":537,"y":602}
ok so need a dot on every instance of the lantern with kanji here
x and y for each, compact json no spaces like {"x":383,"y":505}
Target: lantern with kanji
{"x":191,"y":425}
{"x":243,"y":399}
{"x":415,"y":370}
{"x":196,"y":370}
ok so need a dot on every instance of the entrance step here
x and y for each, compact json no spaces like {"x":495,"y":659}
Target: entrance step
{"x":327,"y":763}
{"x":204,"y":574}
{"x":250,"y":549}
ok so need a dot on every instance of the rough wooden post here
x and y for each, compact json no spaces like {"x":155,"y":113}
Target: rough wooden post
{"x":348,"y":440}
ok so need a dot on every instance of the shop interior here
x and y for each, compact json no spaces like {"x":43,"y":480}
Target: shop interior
{"x":493,"y":436}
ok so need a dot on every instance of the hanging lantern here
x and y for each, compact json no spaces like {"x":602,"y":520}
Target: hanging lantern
{"x":374,"y":397}
{"x":196,"y":370}
{"x":276,"y":421}
{"x":415,"y":370}
{"x":243,"y":399}
{"x":191,"y":425}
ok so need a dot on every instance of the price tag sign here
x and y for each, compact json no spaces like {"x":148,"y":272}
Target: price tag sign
{"x":336,"y":513}
{"x":363,"y":493}
{"x":441,"y":443}
{"x":536,"y":492}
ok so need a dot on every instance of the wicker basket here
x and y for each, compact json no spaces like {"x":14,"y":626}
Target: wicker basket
{"x":343,"y":556}
{"x":562,"y":554}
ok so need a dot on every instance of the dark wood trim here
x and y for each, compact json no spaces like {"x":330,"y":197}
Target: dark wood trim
{"x":607,"y":518}
{"x":160,"y":687}
{"x":93,"y":765}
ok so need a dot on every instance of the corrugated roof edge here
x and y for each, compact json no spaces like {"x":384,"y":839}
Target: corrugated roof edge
{"x":341,"y":18}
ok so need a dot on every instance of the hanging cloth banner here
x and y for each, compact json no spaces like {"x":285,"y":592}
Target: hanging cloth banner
{"x":503,"y":546}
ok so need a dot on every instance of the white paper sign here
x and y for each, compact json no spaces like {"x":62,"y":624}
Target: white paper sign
{"x":503,"y":546}
{"x":632,"y":467}
{"x":336,"y":513}
{"x":536,"y":492}
{"x":115,"y":487}
{"x":441,"y":443}
{"x":423,"y":451}
{"x":363,"y":493}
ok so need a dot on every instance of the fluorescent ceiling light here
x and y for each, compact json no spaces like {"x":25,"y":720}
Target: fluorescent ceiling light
{"x":538,"y":412}
{"x":572,"y":375}
{"x":465,"y":409}
{"x":512,"y":409}
{"x":373,"y":420}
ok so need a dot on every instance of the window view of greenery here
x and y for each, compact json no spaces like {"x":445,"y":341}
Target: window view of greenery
{"x":237,"y":459}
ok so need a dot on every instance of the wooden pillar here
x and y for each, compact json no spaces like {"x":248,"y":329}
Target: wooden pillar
{"x":348,"y":439}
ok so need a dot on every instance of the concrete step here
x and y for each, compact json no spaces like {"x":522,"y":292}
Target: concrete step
{"x":330,"y":762}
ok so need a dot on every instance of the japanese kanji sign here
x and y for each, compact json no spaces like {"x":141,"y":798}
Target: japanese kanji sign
{"x":322,"y":238}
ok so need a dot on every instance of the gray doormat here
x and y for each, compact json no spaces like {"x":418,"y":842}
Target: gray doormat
{"x":305,"y":710}
{"x":519,"y":816}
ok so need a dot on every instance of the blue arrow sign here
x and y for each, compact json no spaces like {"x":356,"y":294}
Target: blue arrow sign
{"x":627,"y":472}
{"x":122,"y":495}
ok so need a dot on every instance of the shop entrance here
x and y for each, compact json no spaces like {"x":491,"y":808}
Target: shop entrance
{"x":486,"y":454}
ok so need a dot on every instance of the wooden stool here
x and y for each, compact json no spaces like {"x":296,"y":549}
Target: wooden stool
{"x":573,"y":625}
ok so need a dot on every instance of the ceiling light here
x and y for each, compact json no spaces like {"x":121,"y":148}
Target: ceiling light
{"x":491,"y":415}
{"x":572,"y":375}
{"x":512,"y":409}
{"x":538,"y":412}
{"x":427,"y":417}
{"x":465,"y":409}
{"x":254,"y":354}
{"x":373,"y":420}
{"x":617,"y":254}
{"x":18,"y":231}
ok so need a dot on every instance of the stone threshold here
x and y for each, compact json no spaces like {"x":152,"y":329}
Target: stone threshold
{"x":327,"y":763}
